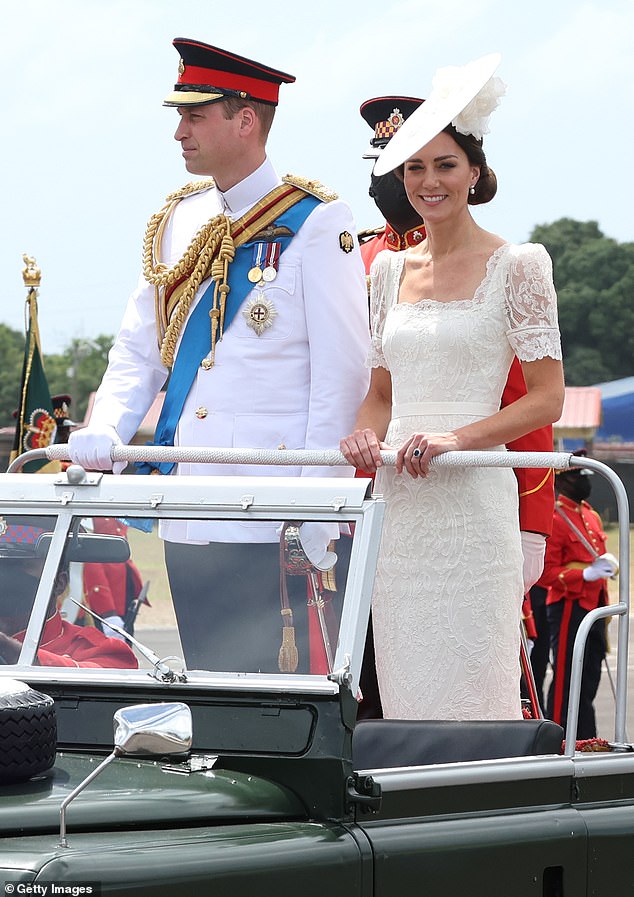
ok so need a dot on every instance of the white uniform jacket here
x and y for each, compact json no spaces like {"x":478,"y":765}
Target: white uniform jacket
{"x":297,"y":385}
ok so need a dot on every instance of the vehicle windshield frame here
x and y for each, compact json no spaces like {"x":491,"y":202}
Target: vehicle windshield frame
{"x":348,"y":501}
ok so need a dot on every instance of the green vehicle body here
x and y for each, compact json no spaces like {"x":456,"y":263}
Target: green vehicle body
{"x":272,"y":799}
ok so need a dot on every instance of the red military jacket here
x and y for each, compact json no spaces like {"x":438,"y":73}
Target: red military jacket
{"x":65,"y":645}
{"x":566,"y":556}
{"x":389,"y":239}
{"x":536,"y":485}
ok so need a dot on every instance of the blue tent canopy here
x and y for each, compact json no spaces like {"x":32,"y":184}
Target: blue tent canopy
{"x":617,"y":406}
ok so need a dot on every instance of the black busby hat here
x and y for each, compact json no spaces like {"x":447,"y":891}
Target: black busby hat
{"x":207,"y":74}
{"x":385,"y":115}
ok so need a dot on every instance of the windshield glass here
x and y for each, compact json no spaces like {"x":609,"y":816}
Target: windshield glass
{"x":268,"y":601}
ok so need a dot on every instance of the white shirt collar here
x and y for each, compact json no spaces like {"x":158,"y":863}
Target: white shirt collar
{"x":239,"y":199}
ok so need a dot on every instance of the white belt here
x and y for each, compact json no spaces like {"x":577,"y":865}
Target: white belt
{"x":411,"y":409}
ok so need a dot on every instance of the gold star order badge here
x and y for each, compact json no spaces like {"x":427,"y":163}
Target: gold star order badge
{"x":259,"y":314}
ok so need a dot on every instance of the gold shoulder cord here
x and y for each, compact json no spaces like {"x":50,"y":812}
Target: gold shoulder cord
{"x":212,"y":247}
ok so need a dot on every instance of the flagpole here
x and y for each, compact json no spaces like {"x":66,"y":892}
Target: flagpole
{"x":32,"y":278}
{"x":35,"y":423}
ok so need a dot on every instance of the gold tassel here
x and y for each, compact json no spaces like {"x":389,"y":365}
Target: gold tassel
{"x":288,"y":657}
{"x":328,"y":577}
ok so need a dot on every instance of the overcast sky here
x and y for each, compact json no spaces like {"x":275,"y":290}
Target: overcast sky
{"x":87,"y":153}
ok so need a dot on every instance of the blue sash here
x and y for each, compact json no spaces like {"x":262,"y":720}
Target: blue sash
{"x":196,"y":340}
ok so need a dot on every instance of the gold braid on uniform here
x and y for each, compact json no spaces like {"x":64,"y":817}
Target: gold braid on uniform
{"x":190,"y":270}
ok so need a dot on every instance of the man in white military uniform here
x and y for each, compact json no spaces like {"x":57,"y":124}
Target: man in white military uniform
{"x":253,"y":297}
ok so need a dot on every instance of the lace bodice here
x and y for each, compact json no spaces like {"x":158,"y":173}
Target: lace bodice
{"x":462,"y":350}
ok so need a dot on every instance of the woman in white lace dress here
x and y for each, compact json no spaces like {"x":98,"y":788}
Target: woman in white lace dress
{"x":447,"y":318}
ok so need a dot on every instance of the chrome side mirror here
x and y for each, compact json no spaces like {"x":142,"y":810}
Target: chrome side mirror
{"x":143,"y":730}
{"x":150,"y":729}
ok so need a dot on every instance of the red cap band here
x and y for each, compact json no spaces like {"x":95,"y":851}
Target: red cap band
{"x":257,"y":89}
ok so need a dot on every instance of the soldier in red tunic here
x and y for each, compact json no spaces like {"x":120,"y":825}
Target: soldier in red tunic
{"x":110,"y":589}
{"x":576,"y":570}
{"x":404,"y":228}
{"x":403,"y":225}
{"x":62,"y":644}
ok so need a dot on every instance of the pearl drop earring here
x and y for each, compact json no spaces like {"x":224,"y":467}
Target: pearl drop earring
{"x":472,"y":189}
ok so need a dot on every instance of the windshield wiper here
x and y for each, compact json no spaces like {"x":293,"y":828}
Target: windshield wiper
{"x":160,"y":669}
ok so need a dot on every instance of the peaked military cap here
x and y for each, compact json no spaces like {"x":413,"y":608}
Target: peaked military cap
{"x":19,"y":535}
{"x":385,"y":115}
{"x":207,"y":74}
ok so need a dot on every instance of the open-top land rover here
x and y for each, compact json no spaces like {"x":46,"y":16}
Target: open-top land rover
{"x":145,"y":777}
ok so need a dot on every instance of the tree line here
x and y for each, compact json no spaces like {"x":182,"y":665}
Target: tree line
{"x":76,"y":372}
{"x":594,"y":278}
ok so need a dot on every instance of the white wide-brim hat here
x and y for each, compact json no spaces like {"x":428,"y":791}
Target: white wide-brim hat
{"x":443,"y":105}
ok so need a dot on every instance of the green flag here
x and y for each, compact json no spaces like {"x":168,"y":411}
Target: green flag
{"x":35,"y":423}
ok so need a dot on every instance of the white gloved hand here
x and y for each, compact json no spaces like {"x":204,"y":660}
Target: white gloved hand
{"x":91,"y":447}
{"x":611,"y":559}
{"x":600,"y":568}
{"x":315,"y":538}
{"x":112,"y":633}
{"x":533,"y":549}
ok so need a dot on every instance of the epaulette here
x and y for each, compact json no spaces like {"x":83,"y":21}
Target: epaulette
{"x":368,"y":234}
{"x":314,"y":188}
{"x":191,"y":188}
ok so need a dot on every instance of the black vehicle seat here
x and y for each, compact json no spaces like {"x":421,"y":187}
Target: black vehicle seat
{"x":385,"y":743}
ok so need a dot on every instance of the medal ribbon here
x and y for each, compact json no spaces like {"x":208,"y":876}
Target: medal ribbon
{"x":258,"y":253}
{"x":272,"y":255}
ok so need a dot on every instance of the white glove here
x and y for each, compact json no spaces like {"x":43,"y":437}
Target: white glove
{"x":315,"y":538}
{"x":601,"y":568}
{"x":91,"y":447}
{"x":611,"y":559}
{"x":112,"y":633}
{"x":533,"y":549}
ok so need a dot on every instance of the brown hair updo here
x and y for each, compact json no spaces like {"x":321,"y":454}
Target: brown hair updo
{"x":487,"y":184}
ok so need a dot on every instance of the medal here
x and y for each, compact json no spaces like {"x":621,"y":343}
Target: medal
{"x":266,"y":258}
{"x":259,"y":314}
{"x":255,"y":274}
{"x":272,"y":261}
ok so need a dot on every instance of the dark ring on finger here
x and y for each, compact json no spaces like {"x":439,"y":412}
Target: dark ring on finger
{"x":416,"y":453}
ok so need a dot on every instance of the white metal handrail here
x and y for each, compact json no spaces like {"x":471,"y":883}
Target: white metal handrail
{"x":298,"y":457}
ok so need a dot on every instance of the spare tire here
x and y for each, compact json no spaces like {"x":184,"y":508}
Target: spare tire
{"x":28,"y":731}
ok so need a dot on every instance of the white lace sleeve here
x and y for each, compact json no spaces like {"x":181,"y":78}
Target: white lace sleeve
{"x":531,"y":303}
{"x":384,"y":282}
